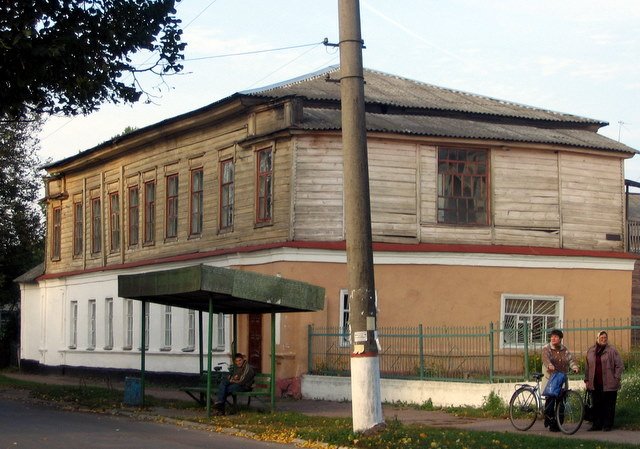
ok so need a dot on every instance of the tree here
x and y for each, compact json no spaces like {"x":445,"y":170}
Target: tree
{"x":21,"y":222}
{"x":70,"y":56}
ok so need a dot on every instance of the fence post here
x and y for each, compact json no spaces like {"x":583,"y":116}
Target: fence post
{"x":526,"y":348}
{"x":491,"y":353}
{"x":421,"y":349}
{"x":309,"y":346}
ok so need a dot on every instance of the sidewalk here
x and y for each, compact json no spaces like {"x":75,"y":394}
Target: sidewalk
{"x":343,"y":409}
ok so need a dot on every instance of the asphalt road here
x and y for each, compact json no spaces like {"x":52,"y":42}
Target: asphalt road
{"x":25,"y":425}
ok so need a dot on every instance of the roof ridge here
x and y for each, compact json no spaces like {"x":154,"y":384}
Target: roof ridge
{"x":296,"y":80}
{"x":486,"y":97}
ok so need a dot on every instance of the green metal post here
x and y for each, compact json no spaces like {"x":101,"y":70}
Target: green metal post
{"x":526,"y":349}
{"x":273,"y":362}
{"x":209,"y":348}
{"x":234,"y":343}
{"x":491,"y":353}
{"x":421,"y":350}
{"x":200,"y":342}
{"x":143,"y":345}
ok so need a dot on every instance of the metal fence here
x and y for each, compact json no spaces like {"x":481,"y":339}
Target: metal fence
{"x":472,"y":354}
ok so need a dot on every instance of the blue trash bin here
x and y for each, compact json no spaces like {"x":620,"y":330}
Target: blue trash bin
{"x":132,"y":391}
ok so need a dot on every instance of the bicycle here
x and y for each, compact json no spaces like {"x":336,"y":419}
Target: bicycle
{"x":526,"y":405}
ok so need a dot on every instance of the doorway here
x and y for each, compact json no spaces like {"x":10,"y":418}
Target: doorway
{"x":255,"y":341}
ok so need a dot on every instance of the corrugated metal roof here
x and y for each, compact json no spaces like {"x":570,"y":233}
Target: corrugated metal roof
{"x":384,"y":89}
{"x":437,"y":126}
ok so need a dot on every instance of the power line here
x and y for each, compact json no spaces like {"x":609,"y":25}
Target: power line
{"x":255,"y":51}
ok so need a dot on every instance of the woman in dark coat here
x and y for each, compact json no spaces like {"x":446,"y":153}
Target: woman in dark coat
{"x":603,"y":374}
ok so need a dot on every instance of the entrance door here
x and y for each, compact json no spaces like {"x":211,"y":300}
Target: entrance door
{"x":255,"y":341}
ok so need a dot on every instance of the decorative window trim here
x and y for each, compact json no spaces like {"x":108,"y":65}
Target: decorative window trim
{"x":196,"y":202}
{"x":538,"y":321}
{"x":96,"y":225}
{"x":172,"y":212}
{"x":56,"y":233}
{"x":463,"y":186}
{"x":114,"y":222}
{"x":78,"y":228}
{"x":264,"y":186}
{"x":73,"y":325}
{"x":150,"y":198}
{"x":92,"y":322}
{"x":226,"y":195}
{"x":133,"y":211}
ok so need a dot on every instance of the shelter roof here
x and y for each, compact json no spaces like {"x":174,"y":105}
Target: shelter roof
{"x":232,"y":291}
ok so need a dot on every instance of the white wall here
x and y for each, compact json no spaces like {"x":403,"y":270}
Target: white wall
{"x":46,"y":328}
{"x":441,"y":394}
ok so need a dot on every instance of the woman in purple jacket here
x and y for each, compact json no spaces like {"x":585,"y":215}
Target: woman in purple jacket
{"x":602,"y":377}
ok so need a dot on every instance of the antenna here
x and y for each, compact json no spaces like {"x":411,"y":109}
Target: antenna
{"x":620,"y":124}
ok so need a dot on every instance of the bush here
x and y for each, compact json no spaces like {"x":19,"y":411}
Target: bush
{"x":628,"y":407}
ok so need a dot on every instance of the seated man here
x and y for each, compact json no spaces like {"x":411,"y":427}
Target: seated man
{"x":240,"y":379}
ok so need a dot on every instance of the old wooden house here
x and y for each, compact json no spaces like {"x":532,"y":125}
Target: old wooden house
{"x":483,"y":210}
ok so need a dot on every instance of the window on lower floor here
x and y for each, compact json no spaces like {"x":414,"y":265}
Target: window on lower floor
{"x":191,"y":330}
{"x":108,"y":323}
{"x":91,"y":340}
{"x":147,"y":321}
{"x":166,"y":327}
{"x":538,"y":314}
{"x":221,"y":330}
{"x":462,"y":186}
{"x":344,"y":316}
{"x":73,"y":325}
{"x":128,"y":324}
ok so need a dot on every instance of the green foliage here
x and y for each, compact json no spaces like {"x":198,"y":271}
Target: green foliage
{"x":628,"y":406}
{"x":21,"y":230}
{"x":70,"y":56}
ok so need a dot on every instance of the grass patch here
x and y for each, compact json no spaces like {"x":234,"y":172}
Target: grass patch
{"x":284,"y":427}
{"x":81,"y":395}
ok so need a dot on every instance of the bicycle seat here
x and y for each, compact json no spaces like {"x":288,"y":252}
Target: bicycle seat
{"x":537,"y":376}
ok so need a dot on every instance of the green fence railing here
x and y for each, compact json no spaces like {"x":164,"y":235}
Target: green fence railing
{"x":489,"y":353}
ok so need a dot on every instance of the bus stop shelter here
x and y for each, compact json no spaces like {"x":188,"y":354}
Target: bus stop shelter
{"x":220,"y":290}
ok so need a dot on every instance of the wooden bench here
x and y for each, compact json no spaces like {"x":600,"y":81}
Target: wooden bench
{"x":261,"y":387}
{"x":199,"y":392}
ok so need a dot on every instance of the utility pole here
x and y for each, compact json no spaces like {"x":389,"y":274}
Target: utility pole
{"x":365,"y":363}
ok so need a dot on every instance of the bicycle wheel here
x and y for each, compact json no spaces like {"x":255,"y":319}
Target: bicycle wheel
{"x":523,"y":408}
{"x":569,"y":412}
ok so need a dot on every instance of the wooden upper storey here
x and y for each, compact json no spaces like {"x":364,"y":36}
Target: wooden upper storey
{"x":262,"y":168}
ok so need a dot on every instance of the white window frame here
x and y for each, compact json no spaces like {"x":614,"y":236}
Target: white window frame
{"x":221,"y":332}
{"x":167,"y":318}
{"x":73,"y":325}
{"x":128,"y":324}
{"x":91,"y":335}
{"x":108,"y":323}
{"x":507,"y":335}
{"x":147,"y":322}
{"x":344,"y":315}
{"x":190,"y":330}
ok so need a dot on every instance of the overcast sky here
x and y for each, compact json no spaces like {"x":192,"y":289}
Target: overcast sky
{"x":574,"y":56}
